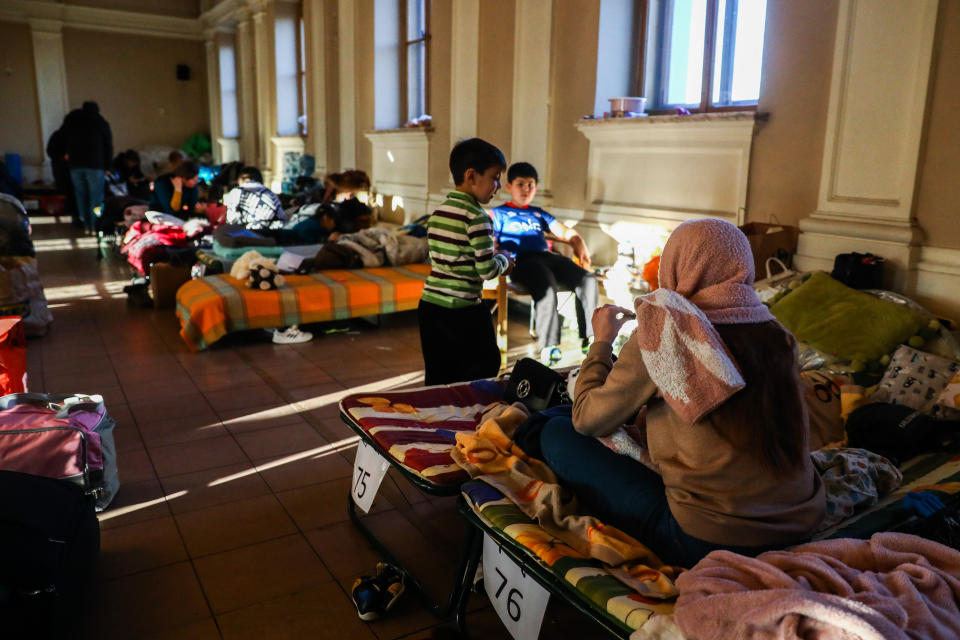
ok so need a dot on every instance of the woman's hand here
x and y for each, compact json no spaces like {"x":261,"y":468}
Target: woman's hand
{"x":177,"y":182}
{"x":607,"y":321}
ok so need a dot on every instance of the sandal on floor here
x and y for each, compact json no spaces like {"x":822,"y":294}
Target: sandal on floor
{"x":374,"y":596}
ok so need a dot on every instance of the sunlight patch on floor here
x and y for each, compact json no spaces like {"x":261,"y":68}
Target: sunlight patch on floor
{"x":96,"y":291}
{"x":122,"y":511}
{"x":64,"y":244}
{"x":316,"y":453}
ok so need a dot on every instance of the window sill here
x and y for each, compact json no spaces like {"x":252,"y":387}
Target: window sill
{"x":401,"y":131}
{"x":710,"y":117}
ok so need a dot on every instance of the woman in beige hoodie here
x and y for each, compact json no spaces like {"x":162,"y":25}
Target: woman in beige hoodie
{"x":711,"y":381}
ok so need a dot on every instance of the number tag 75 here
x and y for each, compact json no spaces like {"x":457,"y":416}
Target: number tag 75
{"x":517,"y":598}
{"x":369,"y":467}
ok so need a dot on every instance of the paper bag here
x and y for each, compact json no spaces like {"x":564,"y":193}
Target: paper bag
{"x":22,"y":294}
{"x":770,"y":241}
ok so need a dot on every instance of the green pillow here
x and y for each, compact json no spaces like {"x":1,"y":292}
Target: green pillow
{"x":850,"y":324}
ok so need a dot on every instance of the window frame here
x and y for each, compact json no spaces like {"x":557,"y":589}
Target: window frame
{"x":404,"y":56}
{"x":641,"y":13}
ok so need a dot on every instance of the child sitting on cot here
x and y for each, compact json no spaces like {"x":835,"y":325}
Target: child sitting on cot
{"x":714,"y":380}
{"x":252,"y":204}
{"x":521,"y":228}
{"x":456,"y":332}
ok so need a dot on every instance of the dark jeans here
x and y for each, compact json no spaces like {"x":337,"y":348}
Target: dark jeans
{"x":458,"y":345}
{"x":543,"y":274}
{"x":88,"y":187}
{"x":622,"y":492}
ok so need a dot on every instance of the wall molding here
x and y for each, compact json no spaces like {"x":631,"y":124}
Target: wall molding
{"x":882,"y":53}
{"x":96,"y":19}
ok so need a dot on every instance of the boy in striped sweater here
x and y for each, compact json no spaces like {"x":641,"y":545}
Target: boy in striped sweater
{"x":456,"y":333}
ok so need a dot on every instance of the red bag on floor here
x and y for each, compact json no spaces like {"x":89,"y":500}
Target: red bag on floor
{"x":146,"y":243}
{"x":13,"y":356}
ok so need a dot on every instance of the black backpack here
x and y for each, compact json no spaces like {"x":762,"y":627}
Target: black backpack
{"x":49,"y":542}
{"x":898,"y":432}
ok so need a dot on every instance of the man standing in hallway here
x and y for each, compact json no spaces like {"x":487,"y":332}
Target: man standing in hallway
{"x":89,"y":145}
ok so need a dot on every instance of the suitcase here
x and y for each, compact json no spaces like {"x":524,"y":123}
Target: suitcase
{"x":68,"y":437}
{"x":50,"y":540}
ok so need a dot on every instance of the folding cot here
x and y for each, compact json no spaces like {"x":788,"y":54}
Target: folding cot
{"x":414,"y":431}
{"x":211,"y":307}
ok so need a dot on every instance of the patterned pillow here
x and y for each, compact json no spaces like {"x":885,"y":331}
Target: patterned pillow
{"x":916,"y":379}
{"x":948,"y":404}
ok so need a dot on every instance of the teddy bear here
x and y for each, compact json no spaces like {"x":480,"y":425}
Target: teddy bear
{"x":257,"y":272}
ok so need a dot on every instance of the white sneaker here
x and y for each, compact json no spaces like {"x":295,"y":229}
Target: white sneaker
{"x":291,"y":335}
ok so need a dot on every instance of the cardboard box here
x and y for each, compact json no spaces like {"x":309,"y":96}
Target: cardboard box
{"x":165,"y":279}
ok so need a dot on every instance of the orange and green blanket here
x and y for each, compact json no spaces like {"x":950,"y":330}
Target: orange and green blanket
{"x":490,"y":454}
{"x":211,"y":307}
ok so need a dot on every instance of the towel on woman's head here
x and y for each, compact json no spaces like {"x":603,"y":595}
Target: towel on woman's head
{"x":706,"y":277}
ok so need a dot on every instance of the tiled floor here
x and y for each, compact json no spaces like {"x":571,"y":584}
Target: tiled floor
{"x":231,"y":519}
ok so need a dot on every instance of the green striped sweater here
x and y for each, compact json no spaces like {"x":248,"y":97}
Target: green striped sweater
{"x":460,"y":237}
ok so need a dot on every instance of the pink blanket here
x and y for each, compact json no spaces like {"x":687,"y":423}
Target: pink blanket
{"x":893,"y":586}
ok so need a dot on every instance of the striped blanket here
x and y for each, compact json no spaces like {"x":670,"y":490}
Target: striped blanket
{"x":211,"y":307}
{"x":598,"y":589}
{"x":418,"y":428}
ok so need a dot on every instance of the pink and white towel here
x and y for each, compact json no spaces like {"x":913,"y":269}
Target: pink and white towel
{"x":706,"y":277}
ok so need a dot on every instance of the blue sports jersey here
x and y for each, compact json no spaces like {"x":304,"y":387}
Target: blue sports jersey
{"x":521,"y":229}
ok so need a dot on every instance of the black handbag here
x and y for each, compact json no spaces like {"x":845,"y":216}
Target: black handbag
{"x":536,"y":386}
{"x":858,"y":270}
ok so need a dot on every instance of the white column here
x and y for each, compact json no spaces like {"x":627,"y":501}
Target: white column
{"x":246,"y":84}
{"x":346,"y":66}
{"x":316,"y":70}
{"x":213,"y":90}
{"x":51,"y":75}
{"x":531,"y":81}
{"x":878,"y":95}
{"x":265,"y":74}
{"x":465,"y":65}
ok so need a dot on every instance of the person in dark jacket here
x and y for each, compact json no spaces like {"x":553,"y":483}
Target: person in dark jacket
{"x":126,"y":170}
{"x":176,"y":193}
{"x":89,"y":144}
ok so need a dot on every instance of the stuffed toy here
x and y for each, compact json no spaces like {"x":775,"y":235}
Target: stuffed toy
{"x":258,"y":272}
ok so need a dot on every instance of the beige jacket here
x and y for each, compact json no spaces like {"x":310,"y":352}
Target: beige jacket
{"x":716,"y":493}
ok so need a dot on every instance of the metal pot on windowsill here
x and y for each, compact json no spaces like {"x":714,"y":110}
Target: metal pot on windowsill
{"x":627,"y":107}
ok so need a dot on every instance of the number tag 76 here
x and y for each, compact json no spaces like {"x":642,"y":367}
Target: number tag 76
{"x":517,"y":598}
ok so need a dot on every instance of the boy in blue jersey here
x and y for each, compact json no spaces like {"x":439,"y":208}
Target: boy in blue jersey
{"x":522,"y":229}
{"x":456,"y":332}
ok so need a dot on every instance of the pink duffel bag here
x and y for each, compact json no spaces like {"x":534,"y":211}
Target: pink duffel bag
{"x":60,"y":437}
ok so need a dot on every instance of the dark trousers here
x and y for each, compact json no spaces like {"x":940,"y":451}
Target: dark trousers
{"x":61,"y":176}
{"x":624,"y":493}
{"x":458,"y":345}
{"x":543,"y":274}
{"x":88,"y":187}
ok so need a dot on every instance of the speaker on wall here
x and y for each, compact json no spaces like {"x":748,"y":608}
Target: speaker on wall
{"x":183,"y":72}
